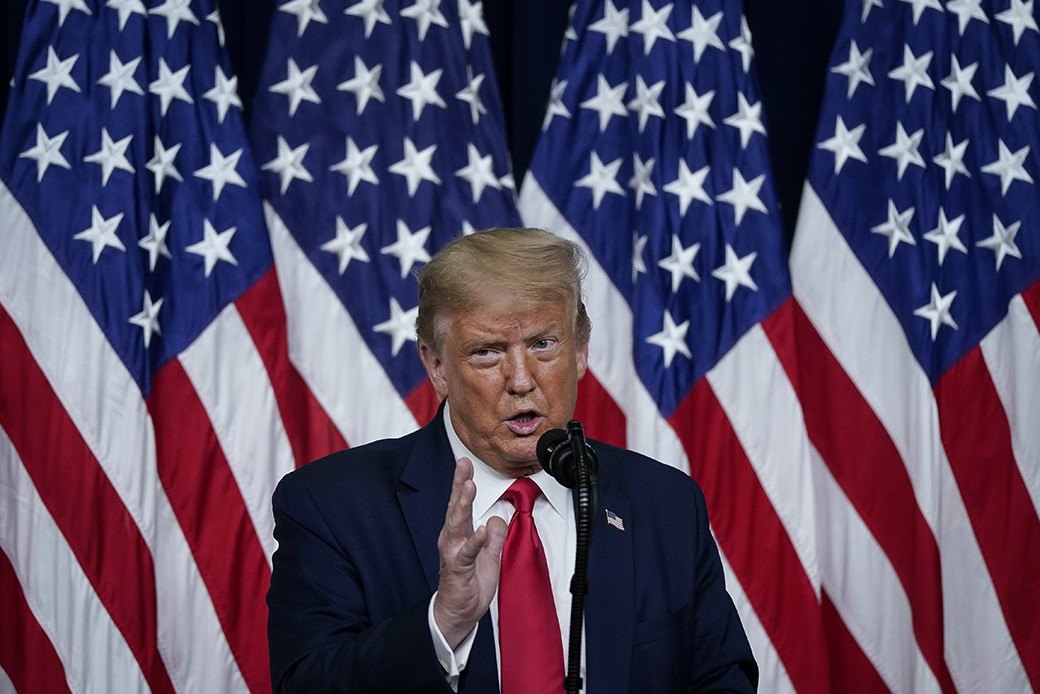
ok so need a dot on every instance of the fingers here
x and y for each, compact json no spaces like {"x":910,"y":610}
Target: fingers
{"x":496,"y":530}
{"x":458,"y":519}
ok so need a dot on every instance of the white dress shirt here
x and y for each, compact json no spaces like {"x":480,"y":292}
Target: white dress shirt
{"x":553,"y":515}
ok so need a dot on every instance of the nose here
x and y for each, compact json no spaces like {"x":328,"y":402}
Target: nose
{"x":518,"y":372}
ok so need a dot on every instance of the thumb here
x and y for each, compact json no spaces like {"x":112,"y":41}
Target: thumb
{"x":496,"y":530}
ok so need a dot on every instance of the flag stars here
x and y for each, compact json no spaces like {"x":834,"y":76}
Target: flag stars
{"x":425,"y":13}
{"x":170,"y":86}
{"x":695,"y":110}
{"x":556,"y":107}
{"x":952,"y":159}
{"x":913,"y":72}
{"x":224,"y":93}
{"x":601,"y":179}
{"x":214,"y":246}
{"x":371,"y":11}
{"x":607,"y":102}
{"x":101,"y":233}
{"x":221,"y":170}
{"x":646,"y":103}
{"x":937,"y":311}
{"x":1014,"y":92}
{"x":120,"y":77}
{"x":57,"y":73}
{"x":703,"y":33}
{"x":959,"y":81}
{"x":743,"y":196}
{"x":640,"y":181}
{"x":1020,"y":17}
{"x":410,"y":248}
{"x":680,"y":263}
{"x":904,"y":150}
{"x":653,"y":25}
{"x":148,"y":318}
{"x":66,"y":6}
{"x":844,"y":143}
{"x":364,"y":85}
{"x":347,"y":244}
{"x":747,"y":119}
{"x":689,"y":186}
{"x":1002,"y":242}
{"x":305,"y":11}
{"x":638,"y":248}
{"x":214,"y":19}
{"x":856,"y":68}
{"x":111,"y":156}
{"x":289,"y":164}
{"x":175,"y":12}
{"x":867,"y":5}
{"x":736,"y":272}
{"x":966,"y":10}
{"x":613,"y":25}
{"x":479,"y":172}
{"x":896,"y":228}
{"x":357,"y":166}
{"x":671,"y":339}
{"x":161,"y":163}
{"x":297,"y":86}
{"x":1009,"y":166}
{"x":155,"y":242}
{"x":919,"y":6}
{"x":46,"y":151}
{"x":400,"y":326}
{"x":422,"y":90}
{"x":742,"y":44}
{"x":470,"y":94}
{"x":944,"y":236}
{"x":471,"y":20}
{"x":415,"y":166}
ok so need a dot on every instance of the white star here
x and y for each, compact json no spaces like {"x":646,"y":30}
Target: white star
{"x":57,"y":73}
{"x":297,"y":86}
{"x":856,"y":68}
{"x":305,"y":11}
{"x":937,"y":311}
{"x":371,"y":11}
{"x":479,"y":172}
{"x":944,"y":236}
{"x":347,"y":244}
{"x":743,"y":195}
{"x":1020,"y":17}
{"x":921,"y":5}
{"x":613,"y":25}
{"x":120,"y":77}
{"x":161,"y":163}
{"x":425,"y":13}
{"x":897,"y":228}
{"x":646,"y":102}
{"x":65,"y":6}
{"x":913,"y":71}
{"x":148,"y":318}
{"x":742,"y":44}
{"x":703,"y":33}
{"x":747,"y":119}
{"x":224,"y":93}
{"x":867,"y":4}
{"x":959,"y":81}
{"x":672,"y":339}
{"x":409,"y":248}
{"x":101,"y":233}
{"x":155,"y":242}
{"x":653,"y":25}
{"x":689,"y":186}
{"x":601,"y":179}
{"x":680,"y":263}
{"x":357,"y":166}
{"x":214,"y":247}
{"x":214,"y":18}
{"x":467,"y":228}
{"x":111,"y":156}
{"x":569,"y":34}
{"x":471,"y":94}
{"x":400,"y":327}
{"x":471,"y":19}
{"x":364,"y":84}
{"x":422,"y":90}
{"x":415,"y":166}
{"x":46,"y":151}
{"x":966,"y":10}
{"x":1002,"y":242}
{"x":736,"y":272}
{"x":289,"y":163}
{"x":952,"y":159}
{"x":695,"y":110}
{"x":844,"y":144}
{"x":607,"y":102}
{"x":221,"y":170}
{"x":640,"y":181}
{"x":1010,"y":166}
{"x":170,"y":85}
{"x":556,"y":107}
{"x":508,"y":182}
{"x":1014,"y":92}
{"x":638,"y":247}
{"x":904,"y":150}
{"x":175,"y":12}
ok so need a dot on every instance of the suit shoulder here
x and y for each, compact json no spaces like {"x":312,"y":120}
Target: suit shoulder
{"x":635,"y":470}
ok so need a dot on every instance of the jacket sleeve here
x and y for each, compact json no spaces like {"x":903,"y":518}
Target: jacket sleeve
{"x":320,"y":634}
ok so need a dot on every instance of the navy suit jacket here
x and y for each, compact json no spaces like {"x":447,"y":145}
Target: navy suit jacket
{"x":357,"y":563}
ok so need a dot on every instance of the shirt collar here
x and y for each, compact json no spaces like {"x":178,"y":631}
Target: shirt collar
{"x":491,"y":483}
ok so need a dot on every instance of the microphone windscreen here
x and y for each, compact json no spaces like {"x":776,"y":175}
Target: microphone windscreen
{"x":547,"y":443}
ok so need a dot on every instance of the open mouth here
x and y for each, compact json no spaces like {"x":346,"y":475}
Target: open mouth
{"x":524,"y":423}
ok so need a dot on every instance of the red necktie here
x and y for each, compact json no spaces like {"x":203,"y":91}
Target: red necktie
{"x":528,"y":629}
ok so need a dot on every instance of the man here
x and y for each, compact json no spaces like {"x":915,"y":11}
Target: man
{"x":383,"y":582}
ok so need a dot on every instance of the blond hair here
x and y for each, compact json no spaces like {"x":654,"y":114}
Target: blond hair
{"x":534,"y":264}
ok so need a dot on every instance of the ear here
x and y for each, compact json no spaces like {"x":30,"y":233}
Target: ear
{"x":583,"y":360}
{"x":434,"y":369}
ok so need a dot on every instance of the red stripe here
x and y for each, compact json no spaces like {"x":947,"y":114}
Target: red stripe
{"x":311,"y":432}
{"x":753,"y":539}
{"x":601,"y":417}
{"x":977,"y":439}
{"x":213,"y":516}
{"x":423,"y":402}
{"x":26,"y":654}
{"x":867,"y":466}
{"x":851,"y":670}
{"x":86,"y":508}
{"x":1031,"y":296}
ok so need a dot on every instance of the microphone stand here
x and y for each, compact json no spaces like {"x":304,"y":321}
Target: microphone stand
{"x":586,"y":498}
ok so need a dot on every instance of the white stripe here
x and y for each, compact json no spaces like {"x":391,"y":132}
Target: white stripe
{"x":328,"y":351}
{"x":57,"y":591}
{"x":84,"y":370}
{"x":1012,"y":354}
{"x":864,"y":336}
{"x":610,"y":348}
{"x":772,"y":674}
{"x":6,"y":685}
{"x":234,"y":387}
{"x":757,"y":397}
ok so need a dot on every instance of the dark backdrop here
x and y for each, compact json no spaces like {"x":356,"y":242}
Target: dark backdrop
{"x":792,"y":41}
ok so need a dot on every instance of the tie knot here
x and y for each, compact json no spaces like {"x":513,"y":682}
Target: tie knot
{"x":522,"y":493}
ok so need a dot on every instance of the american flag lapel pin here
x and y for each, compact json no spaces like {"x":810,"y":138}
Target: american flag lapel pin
{"x":615,"y":520}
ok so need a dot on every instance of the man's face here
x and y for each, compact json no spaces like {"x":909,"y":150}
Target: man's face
{"x":510,"y":370}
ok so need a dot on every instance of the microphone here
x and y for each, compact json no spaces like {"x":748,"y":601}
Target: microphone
{"x":556,"y":455}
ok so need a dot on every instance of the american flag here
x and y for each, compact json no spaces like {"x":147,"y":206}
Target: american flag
{"x":143,"y":360}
